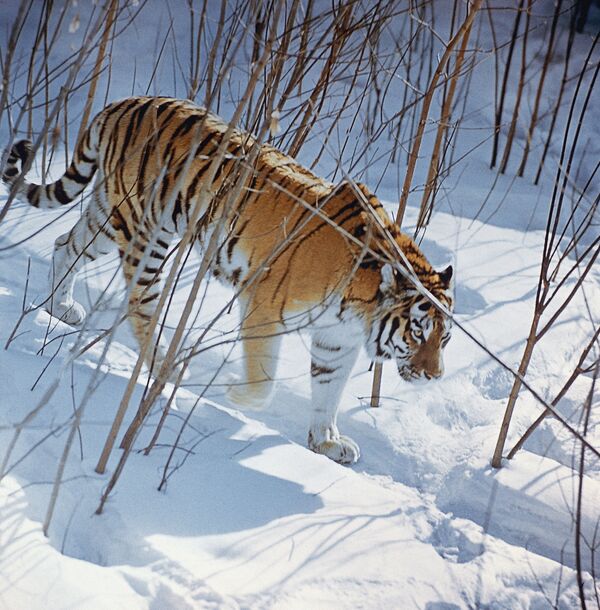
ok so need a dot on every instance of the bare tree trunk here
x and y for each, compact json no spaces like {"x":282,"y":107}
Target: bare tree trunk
{"x":580,"y":474}
{"x":432,"y":174}
{"x":500,"y":110}
{"x":414,"y":153}
{"x":538,"y":95}
{"x":557,"y":106}
{"x":551,"y":240}
{"x":110,"y":18}
{"x":513,"y":123}
{"x":514,"y":392}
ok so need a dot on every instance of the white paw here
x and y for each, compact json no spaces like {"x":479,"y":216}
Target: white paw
{"x":340,"y":449}
{"x":241,"y":394}
{"x":71,"y":313}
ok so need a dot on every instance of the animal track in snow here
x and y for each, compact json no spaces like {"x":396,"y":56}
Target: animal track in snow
{"x":454,"y":544}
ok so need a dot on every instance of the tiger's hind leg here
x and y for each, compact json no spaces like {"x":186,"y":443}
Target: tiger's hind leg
{"x":143,"y":261}
{"x":89,"y":239}
{"x":331,"y":365}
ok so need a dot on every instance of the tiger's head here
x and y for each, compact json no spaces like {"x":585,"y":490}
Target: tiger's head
{"x":409,"y":329}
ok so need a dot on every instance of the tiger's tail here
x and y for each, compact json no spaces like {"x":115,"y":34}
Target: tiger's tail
{"x":67,"y":187}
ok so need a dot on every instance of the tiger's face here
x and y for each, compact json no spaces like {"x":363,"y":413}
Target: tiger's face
{"x":411,"y":330}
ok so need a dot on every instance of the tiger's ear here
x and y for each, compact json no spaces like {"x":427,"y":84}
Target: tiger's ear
{"x":447,"y":277}
{"x":388,"y":279}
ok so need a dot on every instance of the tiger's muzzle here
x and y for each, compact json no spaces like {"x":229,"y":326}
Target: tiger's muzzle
{"x":412,"y":373}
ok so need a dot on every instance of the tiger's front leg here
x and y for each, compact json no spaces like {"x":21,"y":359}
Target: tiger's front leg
{"x":331,"y":364}
{"x":261,"y":340}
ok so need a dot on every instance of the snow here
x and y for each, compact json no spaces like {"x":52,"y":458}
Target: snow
{"x":250,"y":518}
{"x":253,"y":519}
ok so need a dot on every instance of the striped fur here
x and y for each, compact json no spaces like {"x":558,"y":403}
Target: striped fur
{"x":280,"y":243}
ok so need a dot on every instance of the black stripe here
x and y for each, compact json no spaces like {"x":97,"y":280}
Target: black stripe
{"x":129,"y":131}
{"x":222,"y":167}
{"x":142,"y":112}
{"x":128,"y":103}
{"x":85,"y":158}
{"x":86,"y":141}
{"x":140,"y":243}
{"x":328,"y":348}
{"x":75,"y":175}
{"x":91,"y":228}
{"x":393,"y":329}
{"x":122,"y":225}
{"x":60,"y":194}
{"x":110,"y":154}
{"x":275,"y":259}
{"x":148,"y":149}
{"x":165,"y":185}
{"x":163,"y":106}
{"x":196,"y":181}
{"x":369,"y":262}
{"x":231,"y":245}
{"x":343,"y":221}
{"x":149,"y":298}
{"x":134,"y":214}
{"x":187,"y":125}
{"x":235,"y":275}
{"x":317,"y":370}
{"x":136,"y":119}
{"x":169,"y":116}
{"x":23,"y":149}
{"x":131,"y":260}
{"x":140,"y":314}
{"x":191,"y":191}
{"x":382,"y":327}
{"x":33,"y":195}
{"x":176,"y":209}
{"x":103,"y":228}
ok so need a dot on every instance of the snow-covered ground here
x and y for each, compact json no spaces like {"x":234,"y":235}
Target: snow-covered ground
{"x":251,"y":518}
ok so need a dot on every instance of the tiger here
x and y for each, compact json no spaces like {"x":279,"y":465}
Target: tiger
{"x":300,"y":252}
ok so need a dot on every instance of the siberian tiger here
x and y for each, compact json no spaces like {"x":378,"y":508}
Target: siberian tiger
{"x":302,"y":252}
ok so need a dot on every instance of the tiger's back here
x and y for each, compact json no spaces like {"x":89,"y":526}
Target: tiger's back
{"x":274,"y":224}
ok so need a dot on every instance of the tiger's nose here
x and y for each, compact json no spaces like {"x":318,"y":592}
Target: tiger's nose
{"x":434,"y":372}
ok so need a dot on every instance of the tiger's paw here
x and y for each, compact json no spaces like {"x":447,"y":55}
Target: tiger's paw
{"x":340,"y":449}
{"x":71,"y":313}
